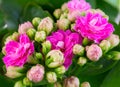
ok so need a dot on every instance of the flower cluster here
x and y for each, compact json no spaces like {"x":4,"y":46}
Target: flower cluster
{"x":43,"y":51}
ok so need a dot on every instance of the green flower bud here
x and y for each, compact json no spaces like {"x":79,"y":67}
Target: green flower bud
{"x":115,"y":55}
{"x":105,"y":46}
{"x":72,"y":26}
{"x":32,"y":60}
{"x":54,"y":59}
{"x":15,"y":36}
{"x":26,"y":82}
{"x":60,"y":70}
{"x":85,"y":84}
{"x":114,"y":40}
{"x":57,"y":84}
{"x":14,"y":72}
{"x":86,"y":41}
{"x":63,"y":24}
{"x":63,"y":16}
{"x":57,"y":13}
{"x":64,"y":7}
{"x":46,"y":47}
{"x":78,"y":49}
{"x":36,"y":21}
{"x":9,"y":38}
{"x":40,"y":36}
{"x":3,"y":50}
{"x":46,"y":25}
{"x":19,"y":84}
{"x":82,"y":61}
{"x":39,"y":56}
{"x":51,"y":77}
{"x":31,"y":33}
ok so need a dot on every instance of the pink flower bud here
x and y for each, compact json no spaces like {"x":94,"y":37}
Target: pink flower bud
{"x":36,"y":73}
{"x":71,"y":82}
{"x":94,"y":52}
{"x":24,"y":27}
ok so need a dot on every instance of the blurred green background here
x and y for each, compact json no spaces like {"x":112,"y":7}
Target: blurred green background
{"x":14,"y":12}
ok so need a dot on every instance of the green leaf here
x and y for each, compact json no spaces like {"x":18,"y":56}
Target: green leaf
{"x":113,"y":78}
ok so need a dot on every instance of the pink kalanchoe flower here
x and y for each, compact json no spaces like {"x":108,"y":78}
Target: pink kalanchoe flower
{"x":36,"y":73}
{"x":64,"y":41}
{"x":18,"y":52}
{"x":24,"y":27}
{"x":94,"y":27}
{"x":80,"y":5}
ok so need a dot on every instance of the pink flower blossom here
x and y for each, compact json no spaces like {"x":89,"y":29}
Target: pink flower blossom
{"x":18,"y":52}
{"x":94,"y":27}
{"x":36,"y":73}
{"x":80,"y":5}
{"x":24,"y":27}
{"x":64,"y":41}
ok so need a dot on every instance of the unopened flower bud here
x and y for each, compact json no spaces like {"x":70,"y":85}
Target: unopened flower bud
{"x":14,"y":72}
{"x":82,"y":61}
{"x":46,"y":47}
{"x":105,"y":45}
{"x":32,"y":60}
{"x":19,"y":84}
{"x":63,"y":24}
{"x":72,"y":27}
{"x":94,"y":52}
{"x":51,"y":77}
{"x":38,"y":55}
{"x":57,"y":84}
{"x":57,"y":13}
{"x":85,"y":84}
{"x":3,"y":50}
{"x":9,"y":38}
{"x":72,"y":15}
{"x":36,"y":21}
{"x":86,"y":41}
{"x":46,"y":25}
{"x":26,"y":82}
{"x":71,"y":82}
{"x":15,"y":36}
{"x":64,"y":7}
{"x":31,"y":33}
{"x":23,"y":28}
{"x":115,"y":55}
{"x":54,"y":58}
{"x":63,"y":16}
{"x":114,"y":40}
{"x":78,"y":49}
{"x":36,"y":73}
{"x":60,"y":70}
{"x":40,"y":36}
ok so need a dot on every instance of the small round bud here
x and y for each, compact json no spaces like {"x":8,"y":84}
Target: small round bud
{"x":94,"y":52}
{"x":51,"y":77}
{"x":32,"y":60}
{"x":15,"y":36}
{"x":72,"y":15}
{"x":64,"y":7}
{"x":26,"y":82}
{"x":57,"y":84}
{"x":31,"y":33}
{"x":46,"y":25}
{"x":9,"y":38}
{"x":36,"y":21}
{"x":105,"y":45}
{"x":85,"y":84}
{"x":23,"y":28}
{"x":82,"y":61}
{"x":71,"y":82}
{"x":54,"y":59}
{"x":19,"y":84}
{"x":114,"y":40}
{"x":60,"y":70}
{"x":3,"y":50}
{"x":46,"y":47}
{"x":115,"y":55}
{"x":39,"y":55}
{"x":63,"y":24}
{"x":40,"y":36}
{"x":86,"y":41}
{"x":57,"y":13}
{"x":36,"y":73}
{"x":78,"y":49}
{"x":72,"y":27}
{"x":63,"y":16}
{"x":14,"y":72}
